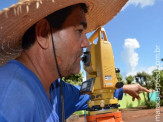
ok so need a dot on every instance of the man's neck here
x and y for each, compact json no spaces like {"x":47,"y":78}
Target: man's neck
{"x":39,"y":67}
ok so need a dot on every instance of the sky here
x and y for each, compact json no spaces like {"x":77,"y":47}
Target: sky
{"x":136,"y":35}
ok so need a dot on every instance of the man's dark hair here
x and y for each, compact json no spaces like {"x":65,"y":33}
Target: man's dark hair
{"x":55,"y":20}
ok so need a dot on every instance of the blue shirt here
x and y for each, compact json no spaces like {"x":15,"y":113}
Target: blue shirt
{"x":23,"y":98}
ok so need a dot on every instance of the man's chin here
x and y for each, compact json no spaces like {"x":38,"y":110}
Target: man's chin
{"x":76,"y":71}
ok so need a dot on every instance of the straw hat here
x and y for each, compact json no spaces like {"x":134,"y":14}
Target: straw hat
{"x":17,"y":19}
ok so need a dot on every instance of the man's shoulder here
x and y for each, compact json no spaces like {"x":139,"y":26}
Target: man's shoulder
{"x":7,"y":70}
{"x":13,"y":81}
{"x":10,"y":71}
{"x":22,"y":96}
{"x":16,"y":95}
{"x":17,"y":103}
{"x":16,"y":79}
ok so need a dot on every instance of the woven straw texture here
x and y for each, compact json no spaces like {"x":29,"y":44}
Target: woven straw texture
{"x":15,"y":20}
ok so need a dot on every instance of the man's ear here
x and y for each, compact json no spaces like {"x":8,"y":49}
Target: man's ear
{"x":42,"y":30}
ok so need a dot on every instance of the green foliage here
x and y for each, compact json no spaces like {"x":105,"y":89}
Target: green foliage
{"x":151,"y":104}
{"x":129,"y":79}
{"x":124,"y":83}
{"x":119,"y":76}
{"x":75,"y":79}
{"x":79,"y":112}
{"x":161,"y":102}
{"x":157,"y":77}
{"x":150,"y":82}
{"x":127,"y":102}
{"x":143,"y":78}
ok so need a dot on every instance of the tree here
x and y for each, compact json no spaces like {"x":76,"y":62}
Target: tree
{"x":75,"y":79}
{"x":157,"y":76}
{"x":145,"y":80}
{"x":162,"y":59}
{"x":119,"y":76}
{"x":129,"y":79}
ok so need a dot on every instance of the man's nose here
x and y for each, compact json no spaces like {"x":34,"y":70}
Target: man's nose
{"x":85,"y":42}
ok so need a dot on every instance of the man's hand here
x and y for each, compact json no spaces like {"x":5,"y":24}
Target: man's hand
{"x":134,"y":90}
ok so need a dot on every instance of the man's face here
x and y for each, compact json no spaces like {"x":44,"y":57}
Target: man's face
{"x":70,"y":41}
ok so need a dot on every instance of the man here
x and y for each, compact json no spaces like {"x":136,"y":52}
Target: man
{"x":52,"y":40}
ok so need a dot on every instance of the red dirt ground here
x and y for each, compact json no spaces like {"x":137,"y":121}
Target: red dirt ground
{"x":130,"y":115}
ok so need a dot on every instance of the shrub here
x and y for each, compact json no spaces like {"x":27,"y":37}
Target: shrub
{"x":151,"y":104}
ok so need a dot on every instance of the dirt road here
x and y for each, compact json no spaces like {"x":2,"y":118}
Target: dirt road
{"x":141,"y":115}
{"x":131,"y":115}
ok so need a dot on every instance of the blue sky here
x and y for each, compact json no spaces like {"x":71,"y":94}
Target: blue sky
{"x":140,"y":23}
{"x":133,"y":33}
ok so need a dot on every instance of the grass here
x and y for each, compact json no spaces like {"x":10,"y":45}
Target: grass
{"x":127,"y":102}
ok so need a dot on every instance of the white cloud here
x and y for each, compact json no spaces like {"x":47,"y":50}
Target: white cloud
{"x":131,"y":73}
{"x":141,"y":69}
{"x":150,"y":69}
{"x":142,"y":3}
{"x":129,"y":56}
{"x":84,"y":77}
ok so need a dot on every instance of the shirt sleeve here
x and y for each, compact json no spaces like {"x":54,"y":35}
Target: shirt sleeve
{"x":2,"y":119}
{"x":73,"y":101}
{"x":119,"y":93}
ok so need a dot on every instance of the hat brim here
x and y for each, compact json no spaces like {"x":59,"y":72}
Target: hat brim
{"x":17,"y":19}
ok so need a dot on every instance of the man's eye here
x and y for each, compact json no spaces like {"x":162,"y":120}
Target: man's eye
{"x":80,"y":31}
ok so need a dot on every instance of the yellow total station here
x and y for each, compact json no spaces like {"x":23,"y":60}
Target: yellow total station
{"x":100,"y":69}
